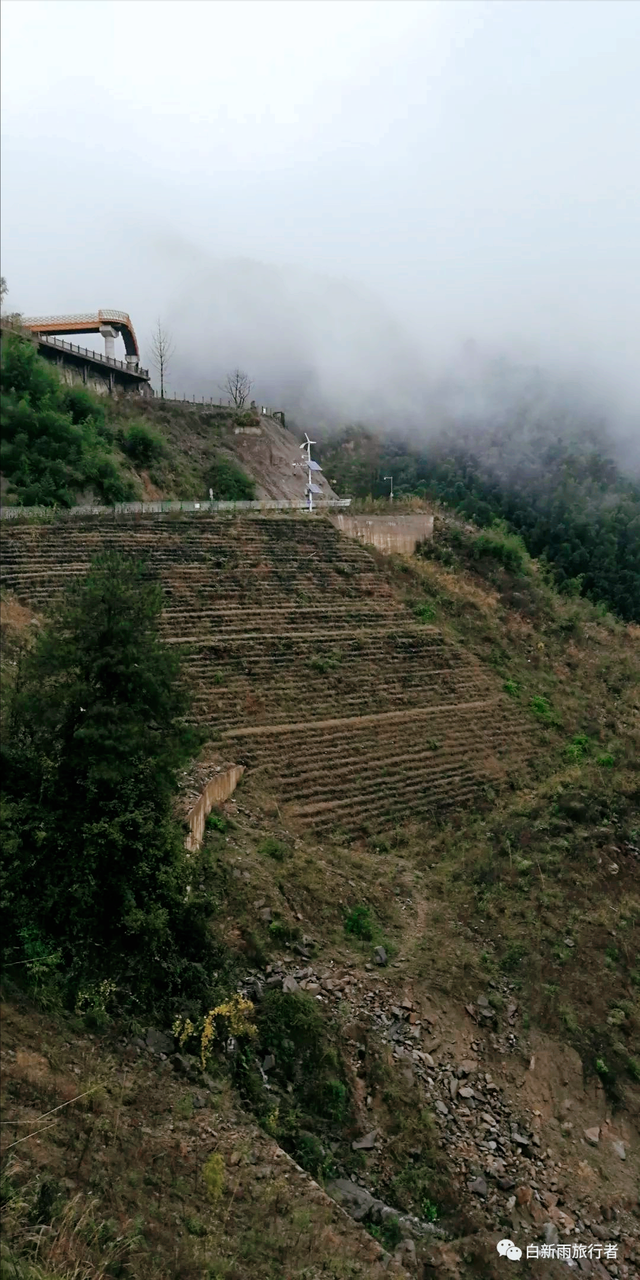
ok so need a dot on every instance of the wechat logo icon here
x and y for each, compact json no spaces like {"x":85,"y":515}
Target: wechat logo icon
{"x":507,"y":1249}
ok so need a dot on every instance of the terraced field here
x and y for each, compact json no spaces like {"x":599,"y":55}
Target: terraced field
{"x":297,"y":649}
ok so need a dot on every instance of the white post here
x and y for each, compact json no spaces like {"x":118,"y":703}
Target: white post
{"x":391,"y":493}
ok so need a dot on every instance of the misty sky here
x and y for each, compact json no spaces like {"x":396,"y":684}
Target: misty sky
{"x":333,"y":193}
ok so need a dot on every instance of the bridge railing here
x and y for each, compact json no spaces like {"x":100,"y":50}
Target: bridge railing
{"x":59,"y":343}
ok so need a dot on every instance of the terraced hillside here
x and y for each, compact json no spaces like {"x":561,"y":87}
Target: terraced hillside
{"x":300,"y":653}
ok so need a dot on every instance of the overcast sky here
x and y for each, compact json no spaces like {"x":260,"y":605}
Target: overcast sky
{"x":327,"y":190}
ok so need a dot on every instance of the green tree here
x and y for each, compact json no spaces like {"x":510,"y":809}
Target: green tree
{"x":94,"y":860}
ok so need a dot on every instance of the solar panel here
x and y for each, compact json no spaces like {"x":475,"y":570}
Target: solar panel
{"x":315,"y":466}
{"x":315,"y":488}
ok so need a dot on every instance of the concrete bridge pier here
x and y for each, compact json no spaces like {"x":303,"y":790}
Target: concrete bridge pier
{"x":109,"y":334}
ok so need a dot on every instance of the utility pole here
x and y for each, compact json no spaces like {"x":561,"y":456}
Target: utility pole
{"x":391,"y":493}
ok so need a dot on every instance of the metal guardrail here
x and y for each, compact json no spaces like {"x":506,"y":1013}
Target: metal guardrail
{"x":149,"y":508}
{"x":59,"y":343}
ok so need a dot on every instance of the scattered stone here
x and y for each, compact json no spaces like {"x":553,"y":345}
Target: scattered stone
{"x":479,"y":1187}
{"x":467,"y":1068}
{"x":592,"y":1136}
{"x":380,"y":956}
{"x":290,"y":984}
{"x":620,"y":1150}
{"x":269,"y":1062}
{"x":366,"y":1143}
{"x":550,"y":1233}
{"x":523,"y":1195}
{"x":439,"y":1105}
{"x":266,"y":915}
{"x":158,"y":1042}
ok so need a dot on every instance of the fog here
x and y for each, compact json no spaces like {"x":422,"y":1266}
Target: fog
{"x":346,"y":199}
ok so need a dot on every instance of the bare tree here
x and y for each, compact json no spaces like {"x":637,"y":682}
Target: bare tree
{"x":237,"y":386}
{"x":4,"y":289}
{"x":162,"y":350}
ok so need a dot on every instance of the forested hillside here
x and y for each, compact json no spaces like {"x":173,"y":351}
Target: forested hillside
{"x":565,"y":496}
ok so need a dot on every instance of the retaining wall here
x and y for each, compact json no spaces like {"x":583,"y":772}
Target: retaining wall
{"x":216,"y":791}
{"x":387,"y":533}
{"x":146,"y":508}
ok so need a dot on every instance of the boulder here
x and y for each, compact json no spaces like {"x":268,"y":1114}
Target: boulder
{"x":355,"y":1200}
{"x":158,"y":1042}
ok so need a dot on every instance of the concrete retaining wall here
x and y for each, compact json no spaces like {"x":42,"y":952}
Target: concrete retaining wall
{"x":146,"y":508}
{"x":216,"y":791}
{"x":387,"y":533}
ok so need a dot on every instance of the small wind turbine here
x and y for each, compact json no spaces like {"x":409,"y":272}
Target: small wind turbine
{"x":310,"y":466}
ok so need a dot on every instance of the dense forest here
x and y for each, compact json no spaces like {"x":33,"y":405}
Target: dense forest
{"x":566,"y":498}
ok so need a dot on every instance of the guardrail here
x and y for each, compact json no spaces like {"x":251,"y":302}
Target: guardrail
{"x":59,"y":343}
{"x":151,"y":508}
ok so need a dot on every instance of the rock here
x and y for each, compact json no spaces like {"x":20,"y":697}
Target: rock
{"x":520,"y":1139}
{"x":550,"y":1233}
{"x":467,"y":1068}
{"x":592,"y":1136}
{"x":366,"y":1143}
{"x":138,"y":1043}
{"x":507,"y":1184}
{"x":439,"y":1105}
{"x":453,"y":1088}
{"x":482,"y":1002}
{"x":269,"y":1063}
{"x":429,"y":1061}
{"x":479,"y":1187}
{"x":619,"y":1149}
{"x":253,"y":989}
{"x":265,"y":915}
{"x":380,"y":956}
{"x":523,"y":1195}
{"x":290,"y":984}
{"x":158,"y":1042}
{"x":198,"y":1101}
{"x":465,"y":1092}
{"x":355,"y":1200}
{"x":511,"y":1204}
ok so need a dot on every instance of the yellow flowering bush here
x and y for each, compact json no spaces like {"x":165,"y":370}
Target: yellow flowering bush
{"x":231,"y":1018}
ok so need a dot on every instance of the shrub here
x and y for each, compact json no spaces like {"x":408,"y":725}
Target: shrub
{"x":216,"y":822}
{"x":578,"y":748}
{"x":213,"y":1173}
{"x":512,"y":688}
{"x":360,"y":923}
{"x":229,"y":483}
{"x":425,"y":612}
{"x":142,"y":445}
{"x":541,"y":707}
{"x":272,"y":848}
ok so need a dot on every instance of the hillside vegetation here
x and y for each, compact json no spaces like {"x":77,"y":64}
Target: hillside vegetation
{"x":561,"y":492}
{"x":509,"y":923}
{"x":62,"y":445}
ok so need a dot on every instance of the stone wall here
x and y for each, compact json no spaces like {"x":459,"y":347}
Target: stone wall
{"x":217,"y":790}
{"x":389,"y":533}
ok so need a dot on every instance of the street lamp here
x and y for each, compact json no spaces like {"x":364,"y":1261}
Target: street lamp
{"x":391,"y":493}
